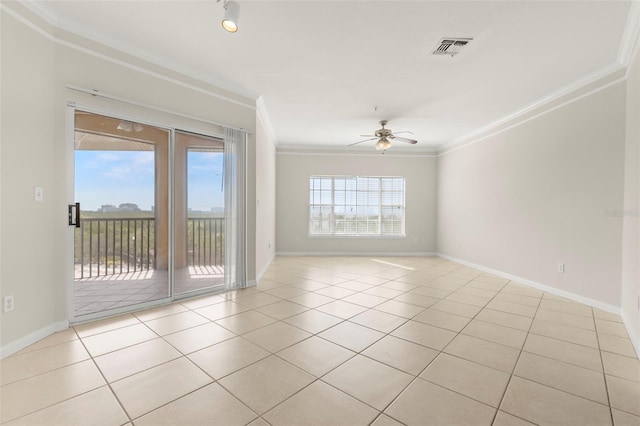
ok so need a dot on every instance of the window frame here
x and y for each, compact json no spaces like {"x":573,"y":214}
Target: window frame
{"x":317,"y":193}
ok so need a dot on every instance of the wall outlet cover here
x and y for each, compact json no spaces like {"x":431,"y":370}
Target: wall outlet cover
{"x":8,"y":303}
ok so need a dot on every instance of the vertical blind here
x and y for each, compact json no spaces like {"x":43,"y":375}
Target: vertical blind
{"x":356,"y":205}
{"x":235,"y":143}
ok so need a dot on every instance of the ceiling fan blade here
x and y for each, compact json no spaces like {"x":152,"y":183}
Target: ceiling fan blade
{"x":366,"y":140}
{"x":368,"y":136}
{"x":401,"y":139}
{"x":404,"y":131}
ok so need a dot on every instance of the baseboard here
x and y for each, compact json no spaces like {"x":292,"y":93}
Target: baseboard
{"x":264,"y":269}
{"x":29,"y":339}
{"x":251,"y":283}
{"x":635,"y":339}
{"x":567,"y":294}
{"x":355,"y":254}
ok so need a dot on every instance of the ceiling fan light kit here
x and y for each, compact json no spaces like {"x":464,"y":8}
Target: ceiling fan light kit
{"x":383,"y":144}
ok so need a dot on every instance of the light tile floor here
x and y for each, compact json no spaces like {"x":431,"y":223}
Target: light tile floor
{"x":337,"y":341}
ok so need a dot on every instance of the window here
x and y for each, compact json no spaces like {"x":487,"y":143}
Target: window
{"x":356,"y":205}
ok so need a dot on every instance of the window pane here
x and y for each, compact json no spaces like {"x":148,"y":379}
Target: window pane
{"x":349,"y":205}
{"x":325,"y":197}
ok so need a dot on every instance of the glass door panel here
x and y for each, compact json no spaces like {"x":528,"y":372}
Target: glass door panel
{"x":121,"y":243}
{"x":199,"y":213}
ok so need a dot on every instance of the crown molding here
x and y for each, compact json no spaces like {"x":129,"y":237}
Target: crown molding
{"x":42,"y":11}
{"x":27,"y":22}
{"x":630,"y":34}
{"x":263,"y":115}
{"x":101,"y":94}
{"x":572,"y":92}
{"x":548,"y":103}
{"x":339,"y":153}
{"x":589,"y":84}
{"x":403,"y":151}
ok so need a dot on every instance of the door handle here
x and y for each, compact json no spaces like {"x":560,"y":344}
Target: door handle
{"x":75,"y":217}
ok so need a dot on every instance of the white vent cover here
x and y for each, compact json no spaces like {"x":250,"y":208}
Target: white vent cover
{"x":450,"y":46}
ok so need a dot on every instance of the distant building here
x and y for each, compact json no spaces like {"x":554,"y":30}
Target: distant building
{"x":124,"y":207}
{"x":129,"y":207}
{"x":106,"y":208}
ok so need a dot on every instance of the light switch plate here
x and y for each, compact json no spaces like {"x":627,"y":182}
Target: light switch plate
{"x":38,"y":193}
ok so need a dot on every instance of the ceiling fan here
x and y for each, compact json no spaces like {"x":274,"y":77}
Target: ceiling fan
{"x":385,"y":136}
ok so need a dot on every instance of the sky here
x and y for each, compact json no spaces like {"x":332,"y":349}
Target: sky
{"x":116,"y":177}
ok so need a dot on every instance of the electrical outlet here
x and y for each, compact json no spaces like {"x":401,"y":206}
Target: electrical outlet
{"x":8,"y":303}
{"x":560,"y":267}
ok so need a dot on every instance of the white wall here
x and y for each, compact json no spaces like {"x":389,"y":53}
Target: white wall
{"x":28,"y":144}
{"x":35,"y":71}
{"x":265,"y":198}
{"x":525,"y":199}
{"x":631,"y":209}
{"x":292,"y":207}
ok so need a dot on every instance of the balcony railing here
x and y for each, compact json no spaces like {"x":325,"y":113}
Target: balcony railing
{"x":205,"y":241}
{"x":110,"y":246}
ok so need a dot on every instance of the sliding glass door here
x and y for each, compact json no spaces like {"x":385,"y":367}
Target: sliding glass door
{"x":199,"y":213}
{"x":121,"y":217}
{"x":137,"y":242}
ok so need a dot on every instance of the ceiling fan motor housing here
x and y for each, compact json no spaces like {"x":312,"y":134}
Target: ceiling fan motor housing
{"x":383,"y":133}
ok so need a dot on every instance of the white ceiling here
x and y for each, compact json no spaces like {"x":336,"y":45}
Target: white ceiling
{"x":323,"y":66}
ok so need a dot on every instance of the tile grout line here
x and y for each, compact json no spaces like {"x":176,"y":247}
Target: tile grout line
{"x":417,"y":376}
{"x":425,"y":308}
{"x":279,"y":357}
{"x":342,"y":320}
{"x":79,"y":339}
{"x":17,"y":355}
{"x":255,"y":309}
{"x":182,"y":355}
{"x":380,"y":412}
{"x":515,"y":365}
{"x":456,"y":336}
{"x":604,"y":373}
{"x":115,"y":396}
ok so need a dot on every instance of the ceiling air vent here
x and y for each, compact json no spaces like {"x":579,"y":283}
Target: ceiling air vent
{"x":450,"y":46}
